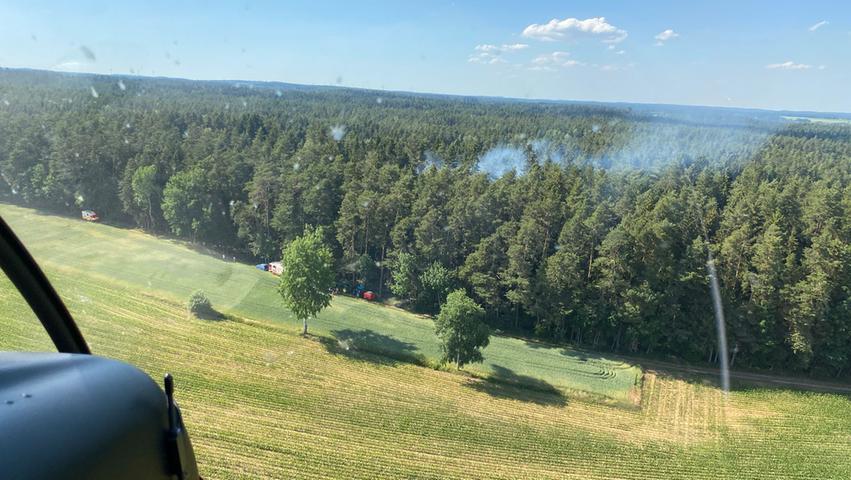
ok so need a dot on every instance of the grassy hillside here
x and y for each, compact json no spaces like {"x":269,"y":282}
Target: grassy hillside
{"x":263,"y":402}
{"x":172,"y":270}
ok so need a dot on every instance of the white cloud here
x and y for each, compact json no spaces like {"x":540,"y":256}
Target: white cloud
{"x":69,"y":66}
{"x":514,"y":47}
{"x":613,"y":49}
{"x":486,"y":58}
{"x":788,"y":65}
{"x":613,"y":67}
{"x":551,"y":61}
{"x":557,"y":29}
{"x":75,"y":66}
{"x":490,"y":54}
{"x":551,"y":57}
{"x":818,"y":25}
{"x":486,"y":48}
{"x":500,"y":48}
{"x":664,"y":36}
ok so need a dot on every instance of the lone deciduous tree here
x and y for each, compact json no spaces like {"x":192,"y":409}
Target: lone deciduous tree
{"x":405,"y":282}
{"x":436,"y":282}
{"x":145,"y":191}
{"x":308,"y":275}
{"x":461,"y":331}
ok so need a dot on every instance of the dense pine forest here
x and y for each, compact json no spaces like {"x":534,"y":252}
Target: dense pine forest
{"x":586,"y":223}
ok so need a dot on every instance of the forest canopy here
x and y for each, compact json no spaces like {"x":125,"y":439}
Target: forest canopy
{"x":587,"y":223}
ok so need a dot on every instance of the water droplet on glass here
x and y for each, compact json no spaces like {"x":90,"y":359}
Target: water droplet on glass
{"x":270,"y":358}
{"x":88,"y":53}
{"x":338,"y":131}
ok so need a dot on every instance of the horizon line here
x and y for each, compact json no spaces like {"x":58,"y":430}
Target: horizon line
{"x":430,"y":93}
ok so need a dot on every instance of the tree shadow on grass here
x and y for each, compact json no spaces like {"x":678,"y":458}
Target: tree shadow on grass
{"x":579,"y":353}
{"x":371,"y":346}
{"x":505,"y":383}
{"x":211,"y":314}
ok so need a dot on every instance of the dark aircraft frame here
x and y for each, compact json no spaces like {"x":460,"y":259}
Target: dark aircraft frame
{"x":74,"y":415}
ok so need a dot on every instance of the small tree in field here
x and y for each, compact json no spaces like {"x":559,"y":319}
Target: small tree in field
{"x":308,"y":276}
{"x":199,"y":305}
{"x":461,"y":331}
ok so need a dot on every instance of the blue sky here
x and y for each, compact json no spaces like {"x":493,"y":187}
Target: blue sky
{"x":771,"y":54}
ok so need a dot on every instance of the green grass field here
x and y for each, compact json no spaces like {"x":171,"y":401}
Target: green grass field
{"x":172,"y":269}
{"x":262,"y":402}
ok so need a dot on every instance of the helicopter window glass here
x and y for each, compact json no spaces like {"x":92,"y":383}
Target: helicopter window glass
{"x":20,"y":329}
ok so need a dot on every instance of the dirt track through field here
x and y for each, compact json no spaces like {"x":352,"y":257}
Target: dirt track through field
{"x":761,"y":379}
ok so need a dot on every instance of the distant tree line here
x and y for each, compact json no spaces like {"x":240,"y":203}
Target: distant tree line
{"x":580,"y":223}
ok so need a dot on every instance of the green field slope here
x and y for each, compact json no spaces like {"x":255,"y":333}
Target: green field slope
{"x":262,"y":402}
{"x":172,"y":270}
